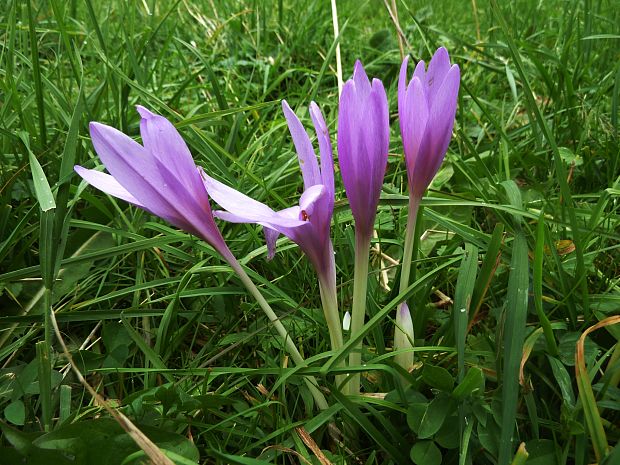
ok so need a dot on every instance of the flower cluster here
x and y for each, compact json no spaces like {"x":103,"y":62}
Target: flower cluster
{"x":161,"y":177}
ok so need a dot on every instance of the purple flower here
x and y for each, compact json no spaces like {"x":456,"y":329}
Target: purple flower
{"x":363,"y":142}
{"x":159,"y":177}
{"x":426,"y":110}
{"x":306,"y":224}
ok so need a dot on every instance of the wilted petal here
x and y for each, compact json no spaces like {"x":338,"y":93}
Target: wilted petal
{"x":307,"y":158}
{"x":106,"y":183}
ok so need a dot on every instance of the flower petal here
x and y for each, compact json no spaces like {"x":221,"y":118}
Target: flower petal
{"x":128,"y":162}
{"x":271,"y":236}
{"x":402,"y":87}
{"x":414,"y":123}
{"x":310,"y":197}
{"x":346,"y":142}
{"x":437,"y":70}
{"x":165,"y":143}
{"x":241,"y":208}
{"x":361,"y":80}
{"x":106,"y":183}
{"x":443,"y":111}
{"x":307,"y":158}
{"x":420,"y":71}
{"x":325,"y":149}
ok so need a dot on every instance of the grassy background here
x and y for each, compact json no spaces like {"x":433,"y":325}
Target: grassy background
{"x":520,"y":230}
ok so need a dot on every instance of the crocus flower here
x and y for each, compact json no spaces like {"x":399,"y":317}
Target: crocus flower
{"x":363,"y":142}
{"x":162,"y":178}
{"x":426,"y":110}
{"x":306,"y":224}
{"x":159,"y":176}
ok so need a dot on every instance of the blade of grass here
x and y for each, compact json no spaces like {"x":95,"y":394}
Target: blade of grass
{"x":586,"y":394}
{"x":36,"y":71}
{"x":537,"y":282}
{"x":514,"y":334}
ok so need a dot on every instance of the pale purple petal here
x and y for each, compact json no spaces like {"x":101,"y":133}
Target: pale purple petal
{"x":402,"y":87}
{"x":128,"y":162}
{"x":420,"y":71}
{"x":437,"y":70}
{"x":106,"y":183}
{"x":305,"y":152}
{"x":427,"y":118}
{"x":361,"y":80}
{"x":164,"y":142}
{"x":415,"y":121}
{"x":243,"y":209}
{"x":363,"y":142}
{"x":271,"y":236}
{"x":309,"y":198}
{"x":325,"y":149}
{"x":233,"y":200}
{"x":345,"y":134}
{"x":442,"y":114}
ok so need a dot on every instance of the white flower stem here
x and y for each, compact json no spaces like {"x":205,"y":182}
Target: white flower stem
{"x":329,"y":300}
{"x":290,"y":346}
{"x":401,"y":338}
{"x":358,"y":310}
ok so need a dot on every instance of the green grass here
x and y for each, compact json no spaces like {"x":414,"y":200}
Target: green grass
{"x":520,"y":229}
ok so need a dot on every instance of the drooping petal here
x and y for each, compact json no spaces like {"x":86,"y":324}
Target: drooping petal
{"x":271,"y":236}
{"x":106,"y":183}
{"x":307,"y":158}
